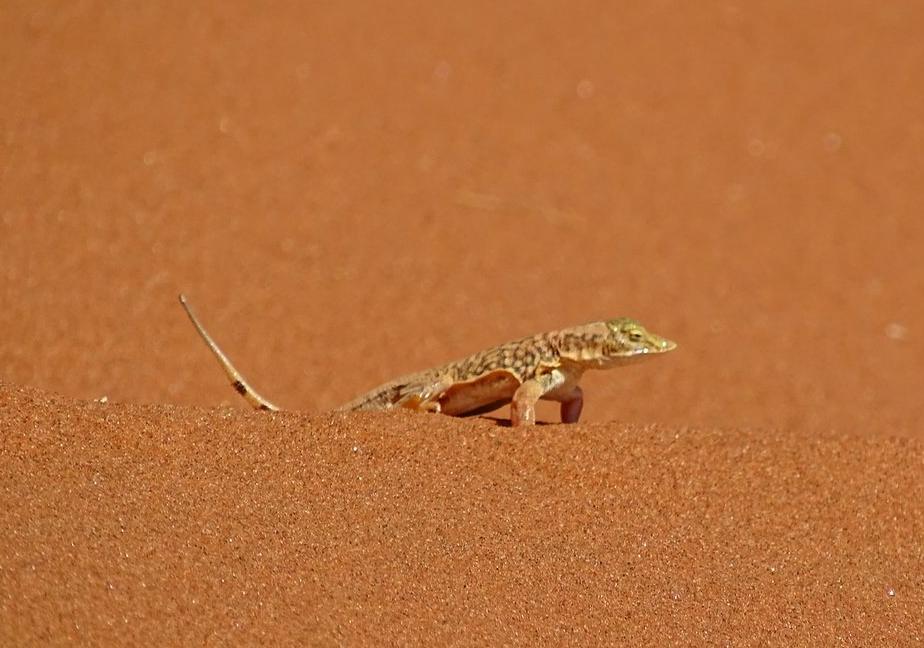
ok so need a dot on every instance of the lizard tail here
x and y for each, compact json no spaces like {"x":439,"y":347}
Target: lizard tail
{"x":237,"y":380}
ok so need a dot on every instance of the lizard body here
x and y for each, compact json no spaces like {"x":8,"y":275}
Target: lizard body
{"x":545,"y":366}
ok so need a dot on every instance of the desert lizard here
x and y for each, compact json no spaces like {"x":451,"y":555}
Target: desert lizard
{"x":545,"y":366}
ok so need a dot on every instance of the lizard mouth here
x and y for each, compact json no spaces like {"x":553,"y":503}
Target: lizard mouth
{"x":661,"y":346}
{"x":666,"y":345}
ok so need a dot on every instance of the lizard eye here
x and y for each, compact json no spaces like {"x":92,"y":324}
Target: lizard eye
{"x":635,"y":335}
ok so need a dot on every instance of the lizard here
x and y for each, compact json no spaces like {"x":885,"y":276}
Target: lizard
{"x":544,"y":366}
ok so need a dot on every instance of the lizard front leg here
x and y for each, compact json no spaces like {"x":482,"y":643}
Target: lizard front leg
{"x":523,"y":405}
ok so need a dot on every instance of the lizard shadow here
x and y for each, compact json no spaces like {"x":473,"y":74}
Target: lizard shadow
{"x":505,"y":422}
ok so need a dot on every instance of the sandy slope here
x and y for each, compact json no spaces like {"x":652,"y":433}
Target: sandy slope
{"x":182,"y":525}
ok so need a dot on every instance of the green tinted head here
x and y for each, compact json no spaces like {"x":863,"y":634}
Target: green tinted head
{"x":627,"y":338}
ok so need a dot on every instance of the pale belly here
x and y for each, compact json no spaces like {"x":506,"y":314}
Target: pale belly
{"x":483,"y":395}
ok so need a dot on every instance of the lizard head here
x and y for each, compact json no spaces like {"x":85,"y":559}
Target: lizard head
{"x":627,"y":339}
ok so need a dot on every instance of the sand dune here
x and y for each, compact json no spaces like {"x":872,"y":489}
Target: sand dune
{"x":158,"y":524}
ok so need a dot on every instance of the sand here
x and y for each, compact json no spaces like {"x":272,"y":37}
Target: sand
{"x":347,"y":194}
{"x":156,"y":524}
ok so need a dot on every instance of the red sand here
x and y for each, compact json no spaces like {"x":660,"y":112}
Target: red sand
{"x":351,"y":195}
{"x":162,"y":524}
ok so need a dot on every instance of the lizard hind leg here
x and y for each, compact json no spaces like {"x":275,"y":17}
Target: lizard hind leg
{"x":237,"y":380}
{"x":425,"y":397}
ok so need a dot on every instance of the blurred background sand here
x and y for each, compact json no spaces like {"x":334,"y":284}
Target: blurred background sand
{"x":352,"y":194}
